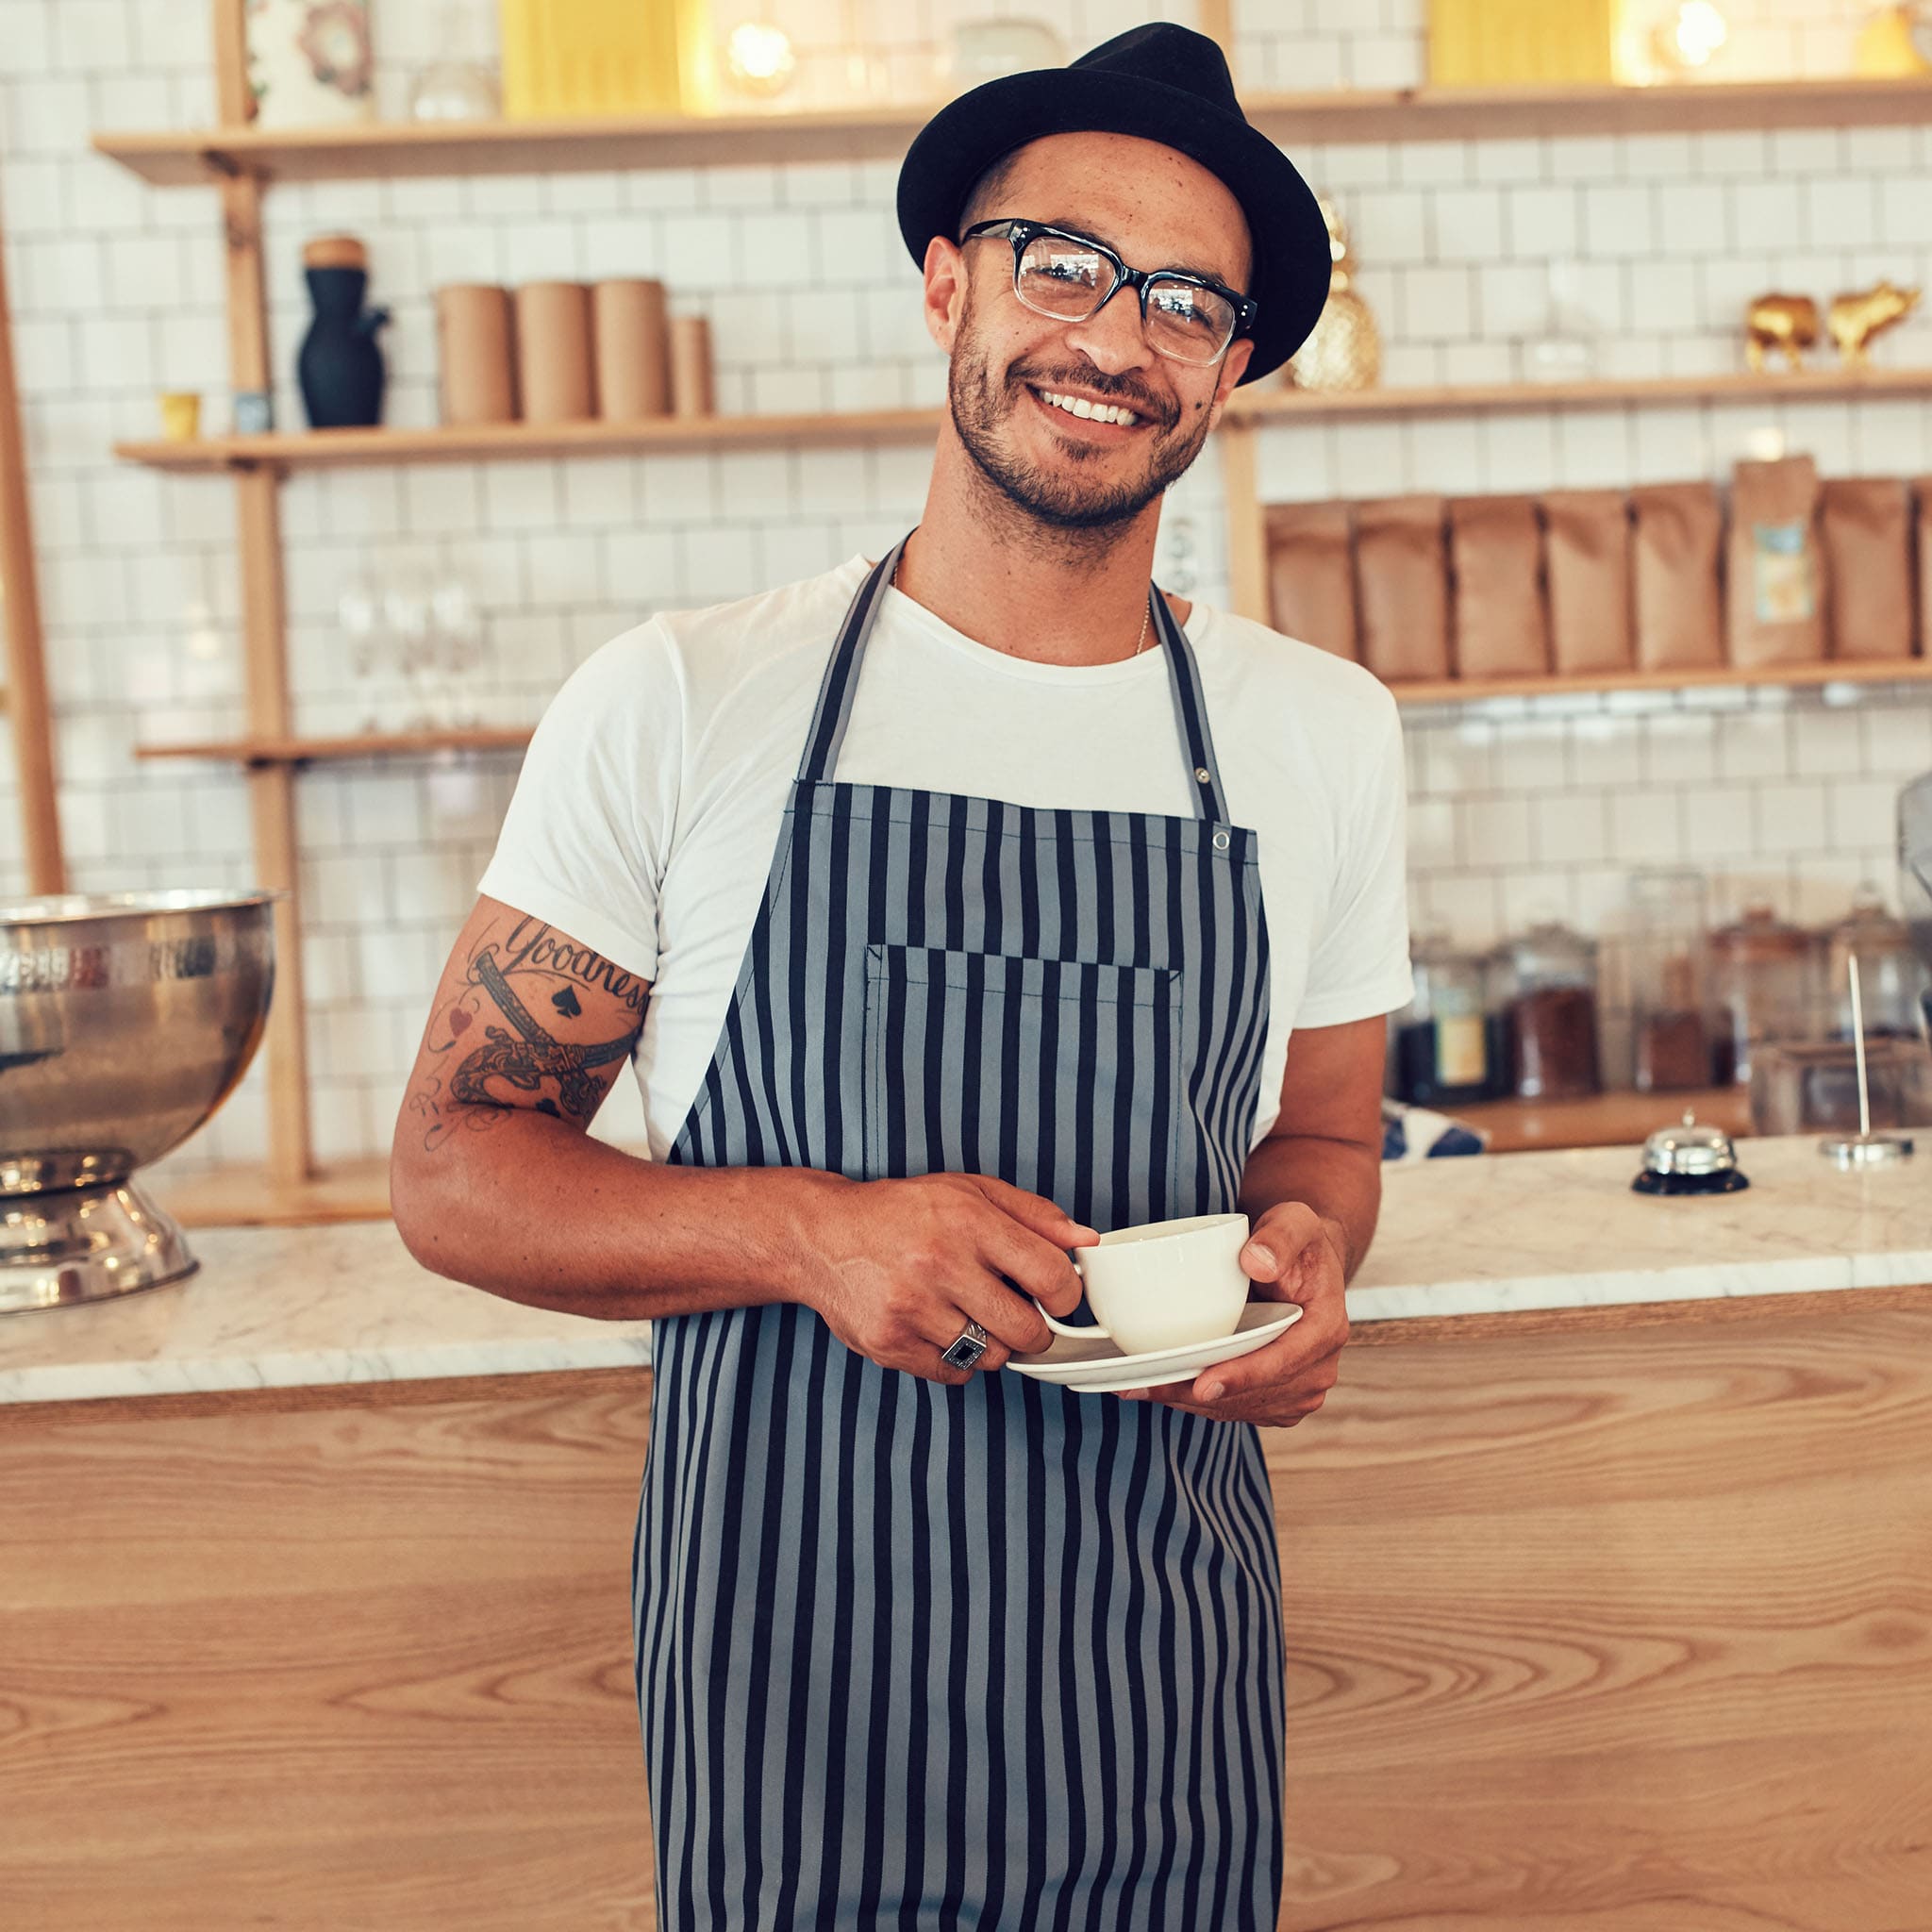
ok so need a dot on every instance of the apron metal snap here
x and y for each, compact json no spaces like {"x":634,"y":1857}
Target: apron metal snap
{"x":1220,"y":841}
{"x":1200,"y":772}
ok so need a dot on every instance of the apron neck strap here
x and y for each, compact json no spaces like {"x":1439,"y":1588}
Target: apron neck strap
{"x":835,"y":688}
{"x":1191,"y":708}
{"x":834,"y":710}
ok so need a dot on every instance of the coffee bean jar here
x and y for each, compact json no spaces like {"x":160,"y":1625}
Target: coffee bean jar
{"x":1544,"y":984}
{"x":1439,"y":1046}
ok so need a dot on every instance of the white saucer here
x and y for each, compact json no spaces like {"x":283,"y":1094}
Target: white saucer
{"x":1097,"y":1366}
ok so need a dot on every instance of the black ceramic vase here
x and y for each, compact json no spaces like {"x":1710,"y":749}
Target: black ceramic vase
{"x":341,"y":364}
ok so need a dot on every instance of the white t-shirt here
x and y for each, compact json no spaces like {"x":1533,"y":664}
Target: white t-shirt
{"x":646,"y":815}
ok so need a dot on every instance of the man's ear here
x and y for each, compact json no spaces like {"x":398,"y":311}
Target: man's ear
{"x":1239,"y":352}
{"x":945,"y":291}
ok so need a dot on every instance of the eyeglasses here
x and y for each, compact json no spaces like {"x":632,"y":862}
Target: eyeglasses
{"x":1073,"y":278}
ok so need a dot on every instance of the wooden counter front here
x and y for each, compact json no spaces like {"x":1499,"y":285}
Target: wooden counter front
{"x":1626,"y":1630}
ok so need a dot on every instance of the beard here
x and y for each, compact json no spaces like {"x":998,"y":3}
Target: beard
{"x":1062,"y":499}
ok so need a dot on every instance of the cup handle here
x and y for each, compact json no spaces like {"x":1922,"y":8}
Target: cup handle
{"x":1072,"y":1333}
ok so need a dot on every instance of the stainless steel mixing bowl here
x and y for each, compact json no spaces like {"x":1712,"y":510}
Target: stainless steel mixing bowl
{"x":126,"y":1020}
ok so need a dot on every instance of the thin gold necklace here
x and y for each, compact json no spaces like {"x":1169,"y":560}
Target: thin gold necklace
{"x":1145,"y":614}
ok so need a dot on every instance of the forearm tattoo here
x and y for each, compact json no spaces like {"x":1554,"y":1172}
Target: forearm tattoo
{"x":467,"y":1087}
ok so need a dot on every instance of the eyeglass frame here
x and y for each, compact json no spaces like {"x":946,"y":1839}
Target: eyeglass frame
{"x":1024,"y":233}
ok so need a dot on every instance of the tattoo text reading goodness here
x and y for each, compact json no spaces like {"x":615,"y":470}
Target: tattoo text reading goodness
{"x":524,"y":1054}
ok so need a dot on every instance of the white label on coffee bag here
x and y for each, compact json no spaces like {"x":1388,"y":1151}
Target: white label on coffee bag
{"x":1784,"y":591}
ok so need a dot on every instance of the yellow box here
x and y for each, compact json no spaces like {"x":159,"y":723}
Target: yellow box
{"x":1486,"y":43}
{"x":581,"y":59}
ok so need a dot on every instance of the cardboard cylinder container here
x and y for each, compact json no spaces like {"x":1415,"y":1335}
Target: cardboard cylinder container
{"x":632,"y":334}
{"x":555,"y":371}
{"x":475,"y":356}
{"x":691,"y":388}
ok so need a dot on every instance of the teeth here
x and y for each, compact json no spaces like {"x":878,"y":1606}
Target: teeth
{"x":1079,"y":405}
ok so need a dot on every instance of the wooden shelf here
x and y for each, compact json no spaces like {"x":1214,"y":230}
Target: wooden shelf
{"x":197,"y":157}
{"x":368,"y":744}
{"x":1459,"y":691}
{"x":250,"y":1197}
{"x":324,"y":449}
{"x":1276,"y":403}
{"x":260,"y":752}
{"x":1604,"y":1120}
{"x":359,"y":1189}
{"x":1498,"y":114}
{"x":328,"y":449}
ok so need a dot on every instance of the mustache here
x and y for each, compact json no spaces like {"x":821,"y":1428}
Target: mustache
{"x":1108,"y":389}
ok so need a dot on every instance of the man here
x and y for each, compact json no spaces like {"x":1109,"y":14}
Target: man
{"x":1083,"y":909}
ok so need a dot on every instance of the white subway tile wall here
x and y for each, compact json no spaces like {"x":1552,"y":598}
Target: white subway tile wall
{"x":1518,"y":809}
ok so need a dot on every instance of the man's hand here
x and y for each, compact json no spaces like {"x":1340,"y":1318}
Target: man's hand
{"x":1293,"y":1255}
{"x":897,"y":1268}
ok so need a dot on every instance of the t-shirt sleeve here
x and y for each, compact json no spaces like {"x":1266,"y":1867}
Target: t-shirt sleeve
{"x":586,"y":838}
{"x":1359,"y":965}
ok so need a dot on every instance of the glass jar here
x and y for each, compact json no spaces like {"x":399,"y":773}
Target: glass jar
{"x":1670,"y":973}
{"x":1811,"y":1086}
{"x":1546,"y":984}
{"x":1892,"y":976}
{"x":1915,"y":875}
{"x":1767,"y":984}
{"x":455,"y":85}
{"x":1439,"y":1046}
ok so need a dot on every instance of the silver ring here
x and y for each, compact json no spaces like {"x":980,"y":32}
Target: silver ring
{"x":965,"y":1353}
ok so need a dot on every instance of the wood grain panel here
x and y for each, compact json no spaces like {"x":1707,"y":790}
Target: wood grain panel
{"x":345,"y":1669}
{"x":1616,"y":1631}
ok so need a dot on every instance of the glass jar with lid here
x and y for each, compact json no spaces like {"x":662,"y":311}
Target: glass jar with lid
{"x":1915,"y":875}
{"x":1767,"y":984}
{"x":1439,"y":1048}
{"x":1669,"y":969}
{"x":1545,"y":984}
{"x":1892,"y":976}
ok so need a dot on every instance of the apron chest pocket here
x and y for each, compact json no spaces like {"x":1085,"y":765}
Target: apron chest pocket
{"x":1058,"y":1075}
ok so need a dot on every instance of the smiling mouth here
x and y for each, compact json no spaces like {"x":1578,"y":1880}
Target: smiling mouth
{"x":1082,"y":409}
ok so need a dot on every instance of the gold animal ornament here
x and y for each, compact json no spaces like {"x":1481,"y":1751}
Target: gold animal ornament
{"x":1345,"y":349}
{"x":1780,"y":322}
{"x":1860,"y":315}
{"x":1886,"y":48}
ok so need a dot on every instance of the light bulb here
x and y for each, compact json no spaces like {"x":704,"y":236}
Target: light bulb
{"x":758,"y":57}
{"x":1698,"y":31}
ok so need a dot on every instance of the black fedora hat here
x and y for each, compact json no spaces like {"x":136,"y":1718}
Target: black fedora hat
{"x":1165,"y":83}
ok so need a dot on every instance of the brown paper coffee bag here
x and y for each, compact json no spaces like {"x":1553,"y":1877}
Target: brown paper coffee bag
{"x":1867,"y":530}
{"x":1311,"y":575}
{"x":1774,"y":579}
{"x":1675,"y":578}
{"x":1587,"y":558}
{"x":1496,"y":578}
{"x":1402,"y":587}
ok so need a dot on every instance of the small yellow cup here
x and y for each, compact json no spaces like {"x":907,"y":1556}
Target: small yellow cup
{"x":180,"y":415}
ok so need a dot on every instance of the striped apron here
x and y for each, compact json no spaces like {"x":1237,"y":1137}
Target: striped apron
{"x":916,"y":1655}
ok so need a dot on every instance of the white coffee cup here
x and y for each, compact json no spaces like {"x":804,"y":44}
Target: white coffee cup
{"x":1163,"y":1285}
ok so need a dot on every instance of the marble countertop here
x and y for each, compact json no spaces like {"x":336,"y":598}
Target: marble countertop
{"x":305,"y":1306}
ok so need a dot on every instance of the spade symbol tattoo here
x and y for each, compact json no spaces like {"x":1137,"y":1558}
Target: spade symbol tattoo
{"x":528,"y":1060}
{"x":566,"y":1002}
